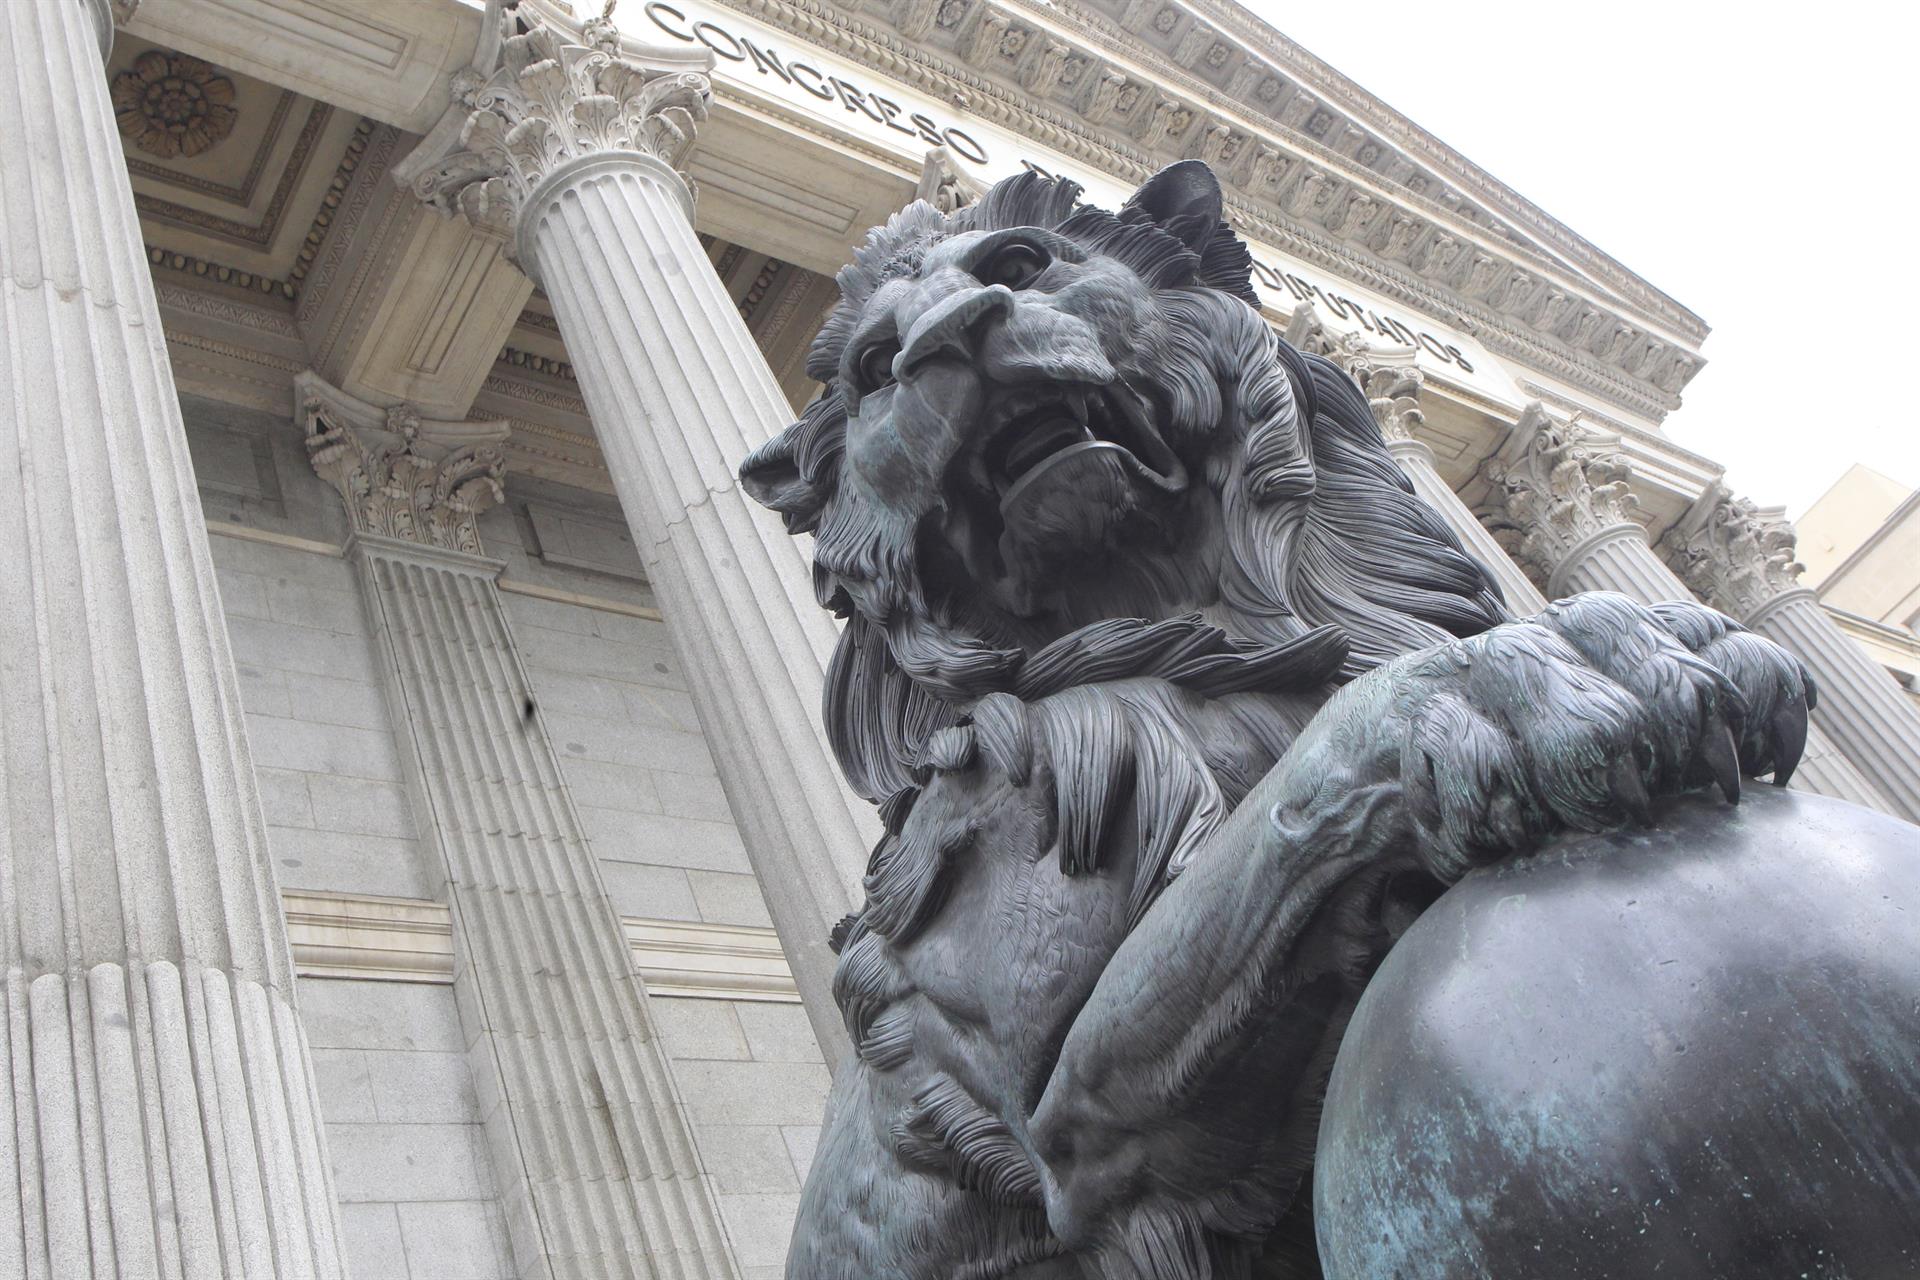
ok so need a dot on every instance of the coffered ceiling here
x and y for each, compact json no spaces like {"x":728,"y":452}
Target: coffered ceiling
{"x":230,"y":174}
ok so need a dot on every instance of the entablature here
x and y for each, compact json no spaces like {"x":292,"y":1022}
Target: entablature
{"x":1342,"y":212}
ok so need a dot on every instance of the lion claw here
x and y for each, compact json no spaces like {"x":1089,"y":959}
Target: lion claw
{"x":1719,"y":757}
{"x":1630,"y":790}
{"x":1789,"y":740}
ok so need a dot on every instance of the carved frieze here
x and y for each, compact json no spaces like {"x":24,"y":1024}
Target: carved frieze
{"x":1330,"y":131}
{"x":1734,"y":555}
{"x":1043,"y":73}
{"x":402,"y":476}
{"x":914,"y":18}
{"x":1556,"y":484}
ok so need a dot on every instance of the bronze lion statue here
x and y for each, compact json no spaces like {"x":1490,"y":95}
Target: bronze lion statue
{"x":1111,"y":556}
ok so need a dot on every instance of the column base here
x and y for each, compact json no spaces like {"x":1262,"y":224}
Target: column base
{"x":161,"y":1124}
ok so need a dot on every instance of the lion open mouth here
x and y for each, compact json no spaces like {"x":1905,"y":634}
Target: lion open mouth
{"x":1035,"y":430}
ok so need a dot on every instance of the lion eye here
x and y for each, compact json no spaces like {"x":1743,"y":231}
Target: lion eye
{"x":1015,"y":266}
{"x":874,"y":369}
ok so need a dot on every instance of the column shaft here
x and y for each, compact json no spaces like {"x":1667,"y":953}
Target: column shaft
{"x":679,"y":394}
{"x":595,"y":1157}
{"x":1523,"y":598}
{"x":1860,"y":708}
{"x":157,"y":1099}
{"x":1617,"y":559}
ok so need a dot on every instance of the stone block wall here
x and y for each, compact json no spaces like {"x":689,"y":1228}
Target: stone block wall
{"x":331,"y":782}
{"x":755,"y":1087}
{"x":409,"y":1153}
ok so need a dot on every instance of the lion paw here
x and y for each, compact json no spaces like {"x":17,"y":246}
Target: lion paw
{"x":1575,"y":718}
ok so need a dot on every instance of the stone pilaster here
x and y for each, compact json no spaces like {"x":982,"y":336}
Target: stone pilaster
{"x":591,"y":1150}
{"x":1740,"y":559}
{"x":570,"y":149}
{"x":1392,"y":386}
{"x":157,"y":1107}
{"x":1562,"y":493}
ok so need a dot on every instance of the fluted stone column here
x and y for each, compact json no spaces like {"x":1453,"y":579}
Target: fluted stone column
{"x":157,"y":1107}
{"x":570,"y":149}
{"x":1740,"y":559}
{"x":1392,"y":389}
{"x":591,"y":1149}
{"x":1562,"y":492}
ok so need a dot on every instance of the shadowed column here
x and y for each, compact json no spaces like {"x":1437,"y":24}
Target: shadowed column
{"x":156,"y":1094}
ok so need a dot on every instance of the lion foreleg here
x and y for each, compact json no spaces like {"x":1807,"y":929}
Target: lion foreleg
{"x":1179,"y":1119}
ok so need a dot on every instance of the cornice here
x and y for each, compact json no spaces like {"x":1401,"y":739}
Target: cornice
{"x":1378,"y":114}
{"x":1533,"y":322}
{"x":352,"y":190}
{"x":207,"y":305}
{"x":330,"y":203}
{"x":1623,"y":288}
{"x":534,"y":362}
{"x":547,"y":397}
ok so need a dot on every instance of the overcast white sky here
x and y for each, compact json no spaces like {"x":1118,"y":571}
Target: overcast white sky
{"x":1754,"y":161}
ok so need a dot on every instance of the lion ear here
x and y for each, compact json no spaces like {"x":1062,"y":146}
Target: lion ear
{"x":1183,"y":200}
{"x":771,"y":474}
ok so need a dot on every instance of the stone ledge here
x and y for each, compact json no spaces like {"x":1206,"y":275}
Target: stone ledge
{"x":379,"y":939}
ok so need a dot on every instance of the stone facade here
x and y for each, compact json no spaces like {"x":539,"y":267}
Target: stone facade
{"x":424,"y":839}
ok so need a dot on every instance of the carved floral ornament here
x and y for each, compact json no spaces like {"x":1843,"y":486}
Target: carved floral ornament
{"x":169,"y":104}
{"x":1564,"y":484}
{"x":944,"y":185}
{"x":400,"y":475}
{"x":1389,"y":377}
{"x":558,"y":95}
{"x":1737,"y":557}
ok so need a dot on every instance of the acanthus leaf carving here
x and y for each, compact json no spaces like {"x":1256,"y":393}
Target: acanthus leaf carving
{"x":944,"y":185}
{"x":557,"y":95}
{"x":403,"y":476}
{"x":1389,"y":377}
{"x":1735,"y":555}
{"x":1557,"y":484}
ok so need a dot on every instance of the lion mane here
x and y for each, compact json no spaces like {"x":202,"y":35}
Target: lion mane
{"x":1324,"y":540}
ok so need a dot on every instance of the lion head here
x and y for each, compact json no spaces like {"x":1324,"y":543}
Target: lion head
{"x":1040,"y":418}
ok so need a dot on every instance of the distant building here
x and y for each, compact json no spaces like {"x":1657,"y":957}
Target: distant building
{"x":421,"y":842}
{"x":1861,"y":545}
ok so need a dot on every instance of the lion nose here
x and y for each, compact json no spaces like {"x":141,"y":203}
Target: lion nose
{"x":949,"y":328}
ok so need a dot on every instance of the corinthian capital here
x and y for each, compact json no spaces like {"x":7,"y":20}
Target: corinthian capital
{"x":558,"y":93}
{"x":402,"y":476}
{"x":1555,"y":485}
{"x":1732,"y":554}
{"x":1387,"y":374}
